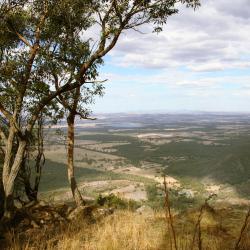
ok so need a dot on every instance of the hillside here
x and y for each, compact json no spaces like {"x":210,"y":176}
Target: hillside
{"x":131,"y":229}
{"x":201,"y":152}
{"x":120,"y":167}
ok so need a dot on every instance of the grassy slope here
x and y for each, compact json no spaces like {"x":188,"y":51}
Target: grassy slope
{"x":127,"y":230}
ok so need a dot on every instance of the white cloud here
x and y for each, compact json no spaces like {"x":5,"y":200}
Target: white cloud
{"x":181,"y":81}
{"x":215,"y":37}
{"x":199,"y":62}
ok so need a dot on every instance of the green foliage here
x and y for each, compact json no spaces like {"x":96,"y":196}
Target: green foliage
{"x":61,"y":53}
{"x":156,"y":199}
{"x":55,"y":176}
{"x":47,"y":61}
{"x":43,"y":46}
{"x":227,"y":162}
{"x":114,"y":201}
{"x":182,"y":202}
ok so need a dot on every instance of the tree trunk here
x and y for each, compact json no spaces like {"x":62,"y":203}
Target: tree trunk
{"x":8,"y":156}
{"x":40,"y":159}
{"x":8,"y":205}
{"x":71,"y":176}
{"x":32,"y":190}
{"x":9,"y":177}
{"x":2,"y":198}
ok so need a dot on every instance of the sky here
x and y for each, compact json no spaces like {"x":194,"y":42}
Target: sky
{"x":200,"y":62}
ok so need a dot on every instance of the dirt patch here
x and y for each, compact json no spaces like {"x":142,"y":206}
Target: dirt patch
{"x":105,"y":147}
{"x":131,"y":192}
{"x":154,"y":135}
{"x":213,"y":189}
{"x":234,"y":201}
{"x":150,"y":174}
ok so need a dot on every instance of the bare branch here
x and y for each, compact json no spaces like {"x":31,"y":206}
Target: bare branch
{"x":102,"y":81}
{"x":6,"y":113}
{"x":23,"y":39}
{"x":99,"y":53}
{"x":243,"y":230}
{"x":140,"y":32}
{"x":85,"y":117}
{"x":2,"y":135}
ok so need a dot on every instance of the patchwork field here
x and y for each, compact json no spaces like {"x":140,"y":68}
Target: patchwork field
{"x":125,"y":154}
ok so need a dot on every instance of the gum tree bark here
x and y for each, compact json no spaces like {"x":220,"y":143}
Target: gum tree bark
{"x":10,"y":176}
{"x":70,"y":155}
{"x":72,"y":104}
{"x":32,"y":190}
{"x":72,"y":109}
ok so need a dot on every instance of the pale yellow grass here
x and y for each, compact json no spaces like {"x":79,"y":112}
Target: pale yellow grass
{"x":123,"y":230}
{"x":126,"y":230}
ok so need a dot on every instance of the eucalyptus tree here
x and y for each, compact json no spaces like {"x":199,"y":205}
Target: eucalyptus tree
{"x":33,"y":35}
{"x":30,"y":174}
{"x":76,"y":106}
{"x":76,"y":101}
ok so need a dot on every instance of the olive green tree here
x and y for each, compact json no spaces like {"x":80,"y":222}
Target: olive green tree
{"x":33,"y":35}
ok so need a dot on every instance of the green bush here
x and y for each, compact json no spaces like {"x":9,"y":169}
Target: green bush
{"x":112,"y":200}
{"x":156,"y":198}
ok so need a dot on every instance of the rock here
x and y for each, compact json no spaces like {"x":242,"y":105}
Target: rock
{"x":105,"y":211}
{"x":81,"y":212}
{"x":187,"y":193}
{"x":42,"y":203}
{"x":30,"y":204}
{"x":18,"y":204}
{"x":145,"y":210}
{"x":69,"y":210}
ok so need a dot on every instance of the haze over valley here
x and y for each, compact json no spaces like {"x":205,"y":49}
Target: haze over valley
{"x":201,"y":154}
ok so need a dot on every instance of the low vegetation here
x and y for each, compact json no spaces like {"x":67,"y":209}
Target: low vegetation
{"x":117,"y":223}
{"x":126,"y":227}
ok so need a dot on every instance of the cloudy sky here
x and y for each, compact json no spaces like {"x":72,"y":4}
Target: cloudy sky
{"x":200,"y":62}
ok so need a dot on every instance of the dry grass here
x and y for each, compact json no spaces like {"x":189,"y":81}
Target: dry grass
{"x":123,"y":230}
{"x":126,"y":230}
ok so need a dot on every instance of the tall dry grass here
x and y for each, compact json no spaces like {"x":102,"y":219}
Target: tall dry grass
{"x":120,"y":231}
{"x":127,"y":230}
{"x":123,"y":230}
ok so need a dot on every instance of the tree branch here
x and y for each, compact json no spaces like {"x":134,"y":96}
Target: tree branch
{"x":6,"y":113}
{"x":2,"y":135}
{"x":23,"y":39}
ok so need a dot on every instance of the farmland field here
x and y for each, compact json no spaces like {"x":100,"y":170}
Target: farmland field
{"x":200,"y":154}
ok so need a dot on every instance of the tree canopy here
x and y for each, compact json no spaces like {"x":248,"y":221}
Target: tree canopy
{"x":46,"y":52}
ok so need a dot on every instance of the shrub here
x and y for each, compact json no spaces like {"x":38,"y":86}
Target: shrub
{"x":112,"y":200}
